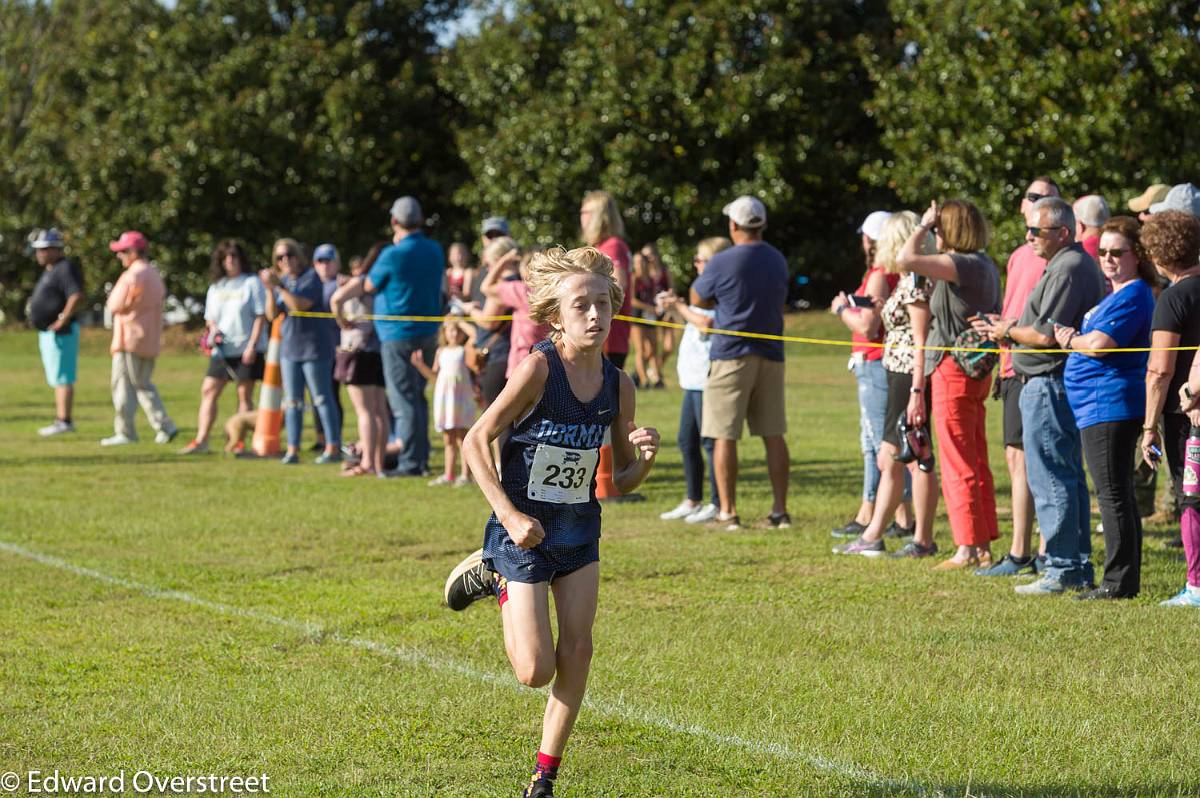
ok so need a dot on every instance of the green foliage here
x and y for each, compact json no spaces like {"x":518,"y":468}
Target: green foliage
{"x":675,"y":108}
{"x":1100,"y":96}
{"x":212,"y":118}
{"x":219,"y":118}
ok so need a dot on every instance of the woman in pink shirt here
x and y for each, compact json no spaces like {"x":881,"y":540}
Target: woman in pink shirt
{"x":505,"y":294}
{"x":603,"y":228}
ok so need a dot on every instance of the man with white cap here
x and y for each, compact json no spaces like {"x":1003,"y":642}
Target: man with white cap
{"x":56,"y":297}
{"x":747,"y":284}
{"x":406,"y":281}
{"x":136,"y":304}
{"x":1183,"y":197}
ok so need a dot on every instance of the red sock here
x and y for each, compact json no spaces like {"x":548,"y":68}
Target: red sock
{"x":547,"y":767}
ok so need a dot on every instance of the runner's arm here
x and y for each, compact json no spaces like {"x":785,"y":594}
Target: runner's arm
{"x":521,"y":393}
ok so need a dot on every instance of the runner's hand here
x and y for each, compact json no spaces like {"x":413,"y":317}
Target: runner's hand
{"x":525,"y":531}
{"x":645,"y":440}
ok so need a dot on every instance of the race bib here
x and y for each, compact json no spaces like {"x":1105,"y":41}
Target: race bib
{"x":562,"y":476}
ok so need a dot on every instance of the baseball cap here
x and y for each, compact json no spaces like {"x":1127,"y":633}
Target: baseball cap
{"x":873,"y":224}
{"x":407,"y":212}
{"x":746,"y":211}
{"x":494,"y":224}
{"x":325,"y":252}
{"x":46,"y":239}
{"x":130,"y":239}
{"x":1156,"y":193}
{"x":1183,"y":197}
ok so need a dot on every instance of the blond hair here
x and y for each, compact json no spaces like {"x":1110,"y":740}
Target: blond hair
{"x":548,"y":269}
{"x":497,"y":249}
{"x":895,"y":232}
{"x":711,"y":246}
{"x":605,"y":221}
{"x":293,"y":247}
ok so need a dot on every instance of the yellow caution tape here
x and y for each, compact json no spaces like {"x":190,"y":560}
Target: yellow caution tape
{"x":788,"y":339}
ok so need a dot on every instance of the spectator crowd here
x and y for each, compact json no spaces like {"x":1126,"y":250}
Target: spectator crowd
{"x":1061,"y":343}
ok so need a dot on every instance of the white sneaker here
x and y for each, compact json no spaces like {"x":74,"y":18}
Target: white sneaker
{"x":706,"y":513}
{"x":442,"y":480}
{"x":684,"y":509}
{"x":57,"y":428}
{"x":165,"y":437}
{"x":117,"y":440}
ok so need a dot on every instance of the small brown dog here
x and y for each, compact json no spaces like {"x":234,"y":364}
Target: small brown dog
{"x":236,"y":429}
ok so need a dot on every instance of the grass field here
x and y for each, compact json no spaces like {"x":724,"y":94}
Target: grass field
{"x":214,"y":616}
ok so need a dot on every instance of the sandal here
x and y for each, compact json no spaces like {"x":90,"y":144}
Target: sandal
{"x":356,"y":471}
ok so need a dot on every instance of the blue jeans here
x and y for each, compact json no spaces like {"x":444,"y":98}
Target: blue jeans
{"x":872,"y":411}
{"x":406,"y":397}
{"x":317,"y":374}
{"x":690,"y":445}
{"x":1054,"y":467}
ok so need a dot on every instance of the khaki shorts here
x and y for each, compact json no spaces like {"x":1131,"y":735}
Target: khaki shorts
{"x":748,"y":388}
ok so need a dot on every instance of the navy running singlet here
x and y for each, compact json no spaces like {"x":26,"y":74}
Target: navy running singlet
{"x":548,"y":465}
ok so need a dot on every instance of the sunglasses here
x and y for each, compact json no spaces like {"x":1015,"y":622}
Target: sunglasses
{"x":1036,"y":232}
{"x":1116,"y":253}
{"x":284,"y":256}
{"x":1033,"y":196}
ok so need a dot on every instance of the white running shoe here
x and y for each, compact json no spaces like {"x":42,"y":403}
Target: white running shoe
{"x":706,"y":513}
{"x":166,"y":437}
{"x":117,"y":440}
{"x":684,"y":509}
{"x":59,"y":427}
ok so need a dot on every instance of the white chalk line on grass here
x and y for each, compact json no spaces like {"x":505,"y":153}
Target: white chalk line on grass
{"x":618,"y":708}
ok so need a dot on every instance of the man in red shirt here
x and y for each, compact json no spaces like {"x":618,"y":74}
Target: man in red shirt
{"x":1024,"y":269}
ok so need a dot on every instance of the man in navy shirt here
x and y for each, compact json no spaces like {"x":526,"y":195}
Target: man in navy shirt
{"x":407,"y":281}
{"x":747,"y":284}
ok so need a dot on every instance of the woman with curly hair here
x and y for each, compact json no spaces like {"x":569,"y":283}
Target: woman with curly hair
{"x":1172,"y":243}
{"x":1106,"y":392}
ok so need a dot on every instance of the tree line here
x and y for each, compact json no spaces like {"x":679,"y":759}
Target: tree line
{"x":216,"y":118}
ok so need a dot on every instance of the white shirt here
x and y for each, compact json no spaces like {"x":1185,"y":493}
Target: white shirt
{"x":232,"y":304}
{"x":692,"y":364}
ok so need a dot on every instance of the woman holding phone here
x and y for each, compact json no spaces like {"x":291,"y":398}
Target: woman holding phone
{"x":860,"y":313}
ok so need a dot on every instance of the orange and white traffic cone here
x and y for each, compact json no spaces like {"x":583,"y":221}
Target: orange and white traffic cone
{"x":605,"y":489}
{"x":270,"y":398}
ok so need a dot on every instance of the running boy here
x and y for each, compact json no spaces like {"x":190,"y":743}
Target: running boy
{"x":544,"y":531}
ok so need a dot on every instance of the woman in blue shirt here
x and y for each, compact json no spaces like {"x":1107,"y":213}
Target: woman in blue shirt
{"x":1107,"y":393}
{"x":303,"y":356}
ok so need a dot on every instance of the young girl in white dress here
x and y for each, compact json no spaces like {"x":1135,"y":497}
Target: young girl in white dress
{"x":453,"y":396}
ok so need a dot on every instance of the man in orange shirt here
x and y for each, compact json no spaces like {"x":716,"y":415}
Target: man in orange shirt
{"x":136,"y":304}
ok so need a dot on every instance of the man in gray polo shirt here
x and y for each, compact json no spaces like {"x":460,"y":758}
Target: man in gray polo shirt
{"x":1070,"y":286}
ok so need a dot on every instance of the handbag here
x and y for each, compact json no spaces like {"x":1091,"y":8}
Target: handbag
{"x":975,"y":365}
{"x":477,"y":357}
{"x":345,"y":366}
